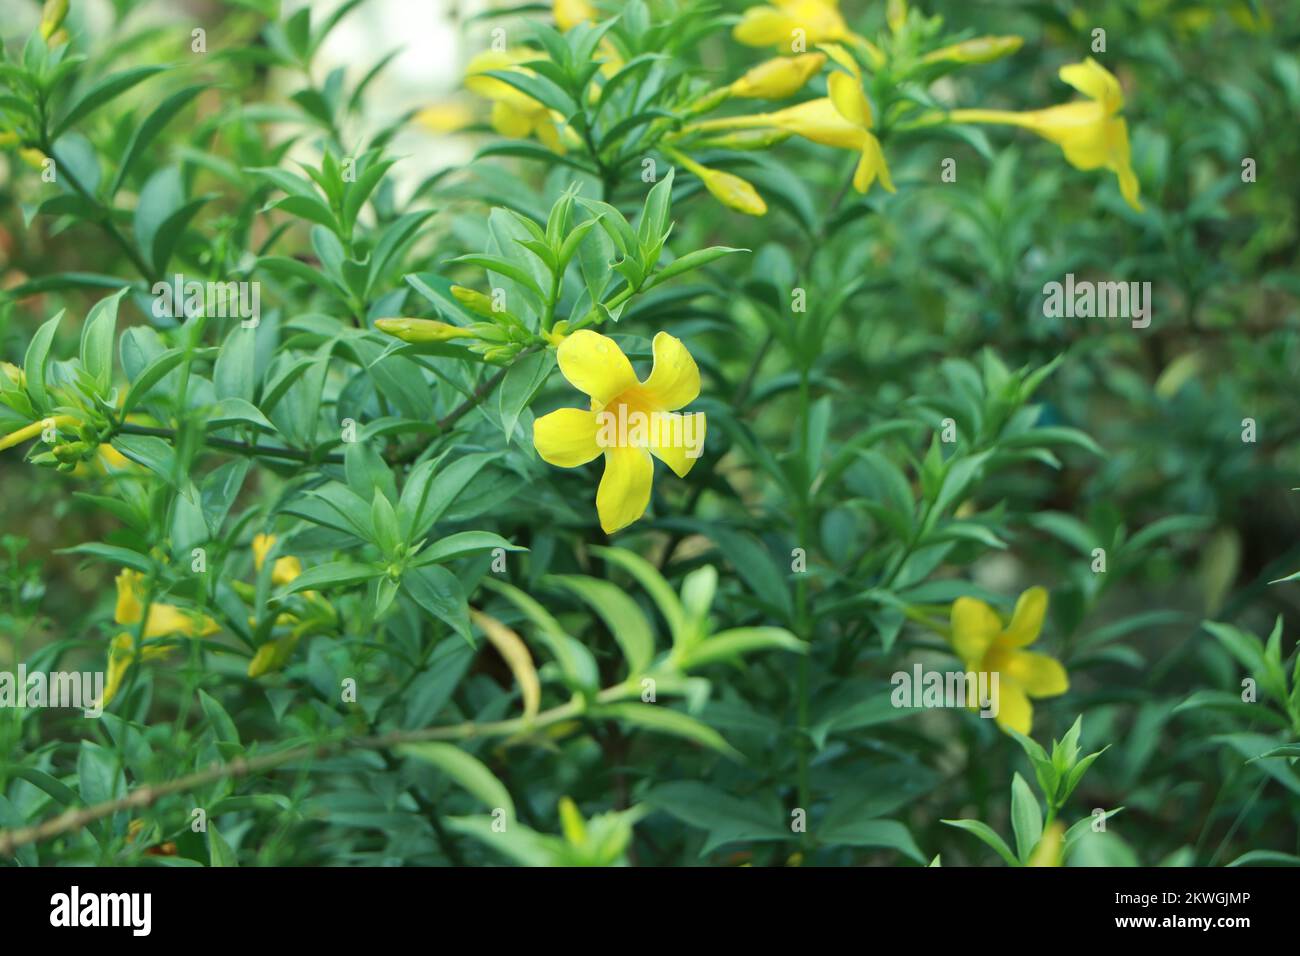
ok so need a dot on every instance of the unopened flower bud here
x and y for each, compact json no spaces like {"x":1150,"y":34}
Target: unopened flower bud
{"x":421,"y":330}
{"x":779,"y":77}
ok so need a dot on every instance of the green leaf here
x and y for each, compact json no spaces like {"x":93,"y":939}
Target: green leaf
{"x":440,"y":593}
{"x":523,"y":379}
{"x":625,"y":620}
{"x":146,"y":132}
{"x":107,"y":89}
{"x":661,"y":719}
{"x":984,"y":832}
{"x":739,"y":641}
{"x":468,"y":771}
{"x":1026,"y":818}
{"x":97,"y":340}
{"x":38,"y":351}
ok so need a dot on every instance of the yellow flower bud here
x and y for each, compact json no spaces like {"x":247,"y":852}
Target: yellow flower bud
{"x":473,"y":300}
{"x":978,"y":50}
{"x":421,"y":330}
{"x":779,"y":77}
{"x":272,"y":656}
{"x":557,"y":333}
{"x":52,"y":17}
{"x":749,"y":139}
{"x":33,"y":158}
{"x":728,"y":189}
{"x":9,"y":138}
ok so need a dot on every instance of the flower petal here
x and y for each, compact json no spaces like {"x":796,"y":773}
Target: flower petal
{"x":846,"y":94}
{"x":129,"y":610}
{"x":1096,"y":82}
{"x":594,"y":364}
{"x":1027,"y":621}
{"x":1015,"y":712}
{"x":1038,"y":674}
{"x":678,"y":440}
{"x":567,"y":437}
{"x":675,"y":378}
{"x":624,"y":491}
{"x":763,"y":26}
{"x":974,"y":626}
{"x":871,"y":165}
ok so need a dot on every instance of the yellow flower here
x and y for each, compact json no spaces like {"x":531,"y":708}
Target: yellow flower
{"x":978,"y":50}
{"x":514,"y":113}
{"x":165,"y":620}
{"x":1091,"y":132}
{"x":569,"y":13}
{"x":629,"y":420}
{"x":986,"y":645}
{"x":34,"y":429}
{"x":284,"y":570}
{"x":778,"y":78}
{"x":422,"y":330}
{"x":842,"y":120}
{"x":776,"y":25}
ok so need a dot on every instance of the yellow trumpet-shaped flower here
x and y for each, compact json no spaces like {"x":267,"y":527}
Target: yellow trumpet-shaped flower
{"x":987,"y":645}
{"x":514,"y":113}
{"x":165,"y":620}
{"x":629,"y":420}
{"x":842,"y":120}
{"x":778,"y":78}
{"x":284,"y":570}
{"x":1091,"y":132}
{"x":790,"y":21}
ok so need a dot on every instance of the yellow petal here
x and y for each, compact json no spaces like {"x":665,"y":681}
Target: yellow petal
{"x":1015,"y":712}
{"x":272,"y":656}
{"x":974,"y":626}
{"x":846,"y":94}
{"x":1038,"y":674}
{"x":764,"y":26}
{"x":509,"y":120}
{"x":566,"y":437}
{"x":871,"y":165}
{"x":624,"y":492}
{"x":1120,"y":162}
{"x":262,"y":545}
{"x":595,"y":365}
{"x":678,"y":440}
{"x":1027,"y":620}
{"x":119,"y":662}
{"x":285,"y":570}
{"x":819,"y":121}
{"x":569,"y":13}
{"x":674,"y":380}
{"x":167,"y":620}
{"x":977,"y":50}
{"x":129,"y":609}
{"x":779,"y":77}
{"x":1096,"y":82}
